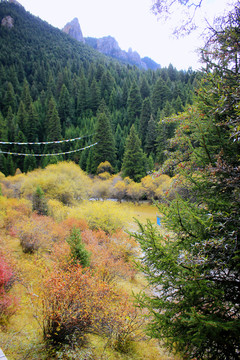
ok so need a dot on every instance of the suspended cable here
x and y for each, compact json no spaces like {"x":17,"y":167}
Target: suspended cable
{"x":43,"y":142}
{"x":56,"y":154}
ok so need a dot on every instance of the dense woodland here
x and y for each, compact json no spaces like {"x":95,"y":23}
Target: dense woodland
{"x":53,"y":87}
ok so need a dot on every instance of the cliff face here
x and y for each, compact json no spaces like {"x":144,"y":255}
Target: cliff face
{"x":73,"y":29}
{"x":109,"y":46}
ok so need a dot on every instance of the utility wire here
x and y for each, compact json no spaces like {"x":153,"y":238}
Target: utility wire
{"x":56,"y":154}
{"x":43,"y":142}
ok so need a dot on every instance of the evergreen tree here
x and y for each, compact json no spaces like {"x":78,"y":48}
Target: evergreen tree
{"x":133,"y":164}
{"x":144,"y":88}
{"x":29,"y":163}
{"x":151,"y":137}
{"x":95,"y":96}
{"x":134,"y":104}
{"x":10,"y":167}
{"x":10,"y":119}
{"x":26,"y":96}
{"x":160,"y":95}
{"x":9,"y":99}
{"x":144,"y":119}
{"x":65,"y":107}
{"x":195,"y":268}
{"x":105,"y":149}
{"x":39,"y":203}
{"x":53,"y":124}
{"x":22,"y":119}
{"x":32,"y":124}
{"x":3,"y":129}
{"x":79,"y":253}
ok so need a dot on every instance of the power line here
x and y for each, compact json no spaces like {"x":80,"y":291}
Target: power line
{"x":56,"y":154}
{"x":43,"y":142}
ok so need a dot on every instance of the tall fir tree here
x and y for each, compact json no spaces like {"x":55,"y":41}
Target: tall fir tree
{"x":151,"y":137}
{"x":195,"y":266}
{"x":53,"y":125}
{"x":134,"y":160}
{"x":144,"y":119}
{"x":134,"y":104}
{"x":105,"y":149}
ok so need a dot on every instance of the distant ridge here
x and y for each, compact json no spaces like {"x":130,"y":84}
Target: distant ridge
{"x":108,"y":45}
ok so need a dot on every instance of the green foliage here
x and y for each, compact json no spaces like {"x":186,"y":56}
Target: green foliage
{"x":50,"y":83}
{"x":105,"y":149}
{"x":194,"y":268}
{"x":39,"y":203}
{"x":134,"y":160}
{"x":78,"y":252}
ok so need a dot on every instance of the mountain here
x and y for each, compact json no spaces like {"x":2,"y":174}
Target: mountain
{"x":73,"y":29}
{"x":109,"y":46}
{"x":54,"y":87}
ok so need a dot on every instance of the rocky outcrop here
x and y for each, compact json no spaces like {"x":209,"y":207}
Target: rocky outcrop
{"x":73,"y":29}
{"x":8,"y":22}
{"x":107,"y":45}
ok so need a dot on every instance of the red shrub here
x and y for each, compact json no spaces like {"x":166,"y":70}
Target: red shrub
{"x":7,"y":301}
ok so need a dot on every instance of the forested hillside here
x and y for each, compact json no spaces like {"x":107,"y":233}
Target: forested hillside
{"x":54,"y":88}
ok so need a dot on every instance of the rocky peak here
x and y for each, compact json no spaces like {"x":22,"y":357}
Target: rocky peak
{"x":73,"y":29}
{"x":8,"y":22}
{"x":107,"y":45}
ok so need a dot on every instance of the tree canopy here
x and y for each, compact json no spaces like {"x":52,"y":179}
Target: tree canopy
{"x":193,"y":267}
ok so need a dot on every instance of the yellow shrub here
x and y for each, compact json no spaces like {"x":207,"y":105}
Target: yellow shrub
{"x":57,"y":210}
{"x":105,"y":215}
{"x":64,"y":182}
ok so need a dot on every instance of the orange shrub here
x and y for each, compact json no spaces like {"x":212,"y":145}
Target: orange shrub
{"x":110,"y":254}
{"x":74,"y":303}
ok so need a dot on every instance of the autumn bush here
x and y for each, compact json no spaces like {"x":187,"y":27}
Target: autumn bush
{"x":77,"y":302}
{"x":110,"y":254}
{"x":38,"y":231}
{"x":64,"y":182}
{"x":105,"y":215}
{"x":8,"y":303}
{"x":74,"y":303}
{"x":12,"y":210}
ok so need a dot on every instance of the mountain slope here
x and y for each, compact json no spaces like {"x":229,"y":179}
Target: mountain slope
{"x":53,"y":87}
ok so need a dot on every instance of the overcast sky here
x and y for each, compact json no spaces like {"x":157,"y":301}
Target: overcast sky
{"x":131,"y":23}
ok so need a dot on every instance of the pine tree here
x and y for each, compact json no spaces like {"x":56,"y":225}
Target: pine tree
{"x":53,"y":124}
{"x":195,"y":266}
{"x":32,"y":124}
{"x":79,"y":253}
{"x":134,"y":104}
{"x":144,"y":88}
{"x":160,"y":95}
{"x":9,"y":99}
{"x":133,"y":160}
{"x":144,"y":120}
{"x":95,"y":96}
{"x":39,"y":203}
{"x":65,"y":110}
{"x":3,"y":129}
{"x":151,"y":136}
{"x":105,"y":149}
{"x":22,"y":119}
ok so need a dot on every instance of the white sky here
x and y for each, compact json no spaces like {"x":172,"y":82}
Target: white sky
{"x":131,"y":23}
